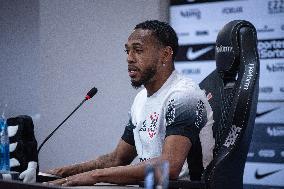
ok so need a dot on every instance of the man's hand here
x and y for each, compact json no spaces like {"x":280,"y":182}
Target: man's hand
{"x":82,"y":179}
{"x":57,"y":171}
{"x":175,"y":151}
{"x":65,"y":171}
{"x":123,"y":154}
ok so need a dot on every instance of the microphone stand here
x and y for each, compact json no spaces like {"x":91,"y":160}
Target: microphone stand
{"x":46,"y":139}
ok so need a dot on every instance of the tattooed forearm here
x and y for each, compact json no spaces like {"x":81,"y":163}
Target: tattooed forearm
{"x":104,"y":161}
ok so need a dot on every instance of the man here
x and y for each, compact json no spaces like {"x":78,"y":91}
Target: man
{"x":170,"y":119}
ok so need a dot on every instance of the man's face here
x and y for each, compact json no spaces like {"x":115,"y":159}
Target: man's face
{"x":143,"y":56}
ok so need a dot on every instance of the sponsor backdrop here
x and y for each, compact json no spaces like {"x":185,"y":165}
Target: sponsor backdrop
{"x":197,"y":24}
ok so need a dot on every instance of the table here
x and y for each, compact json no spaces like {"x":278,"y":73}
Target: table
{"x":21,"y":185}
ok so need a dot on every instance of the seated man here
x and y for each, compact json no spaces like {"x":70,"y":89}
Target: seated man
{"x":170,"y":119}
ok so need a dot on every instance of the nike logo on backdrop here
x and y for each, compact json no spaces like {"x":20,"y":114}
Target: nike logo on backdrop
{"x":194,"y":55}
{"x":260,"y":114}
{"x":261,"y":176}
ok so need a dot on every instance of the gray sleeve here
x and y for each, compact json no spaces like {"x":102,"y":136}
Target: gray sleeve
{"x":185,"y":115}
{"x":128,"y":136}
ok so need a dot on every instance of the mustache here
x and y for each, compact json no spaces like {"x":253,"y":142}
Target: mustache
{"x":133,"y":68}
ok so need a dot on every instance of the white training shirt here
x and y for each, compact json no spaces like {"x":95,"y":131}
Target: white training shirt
{"x":179,"y":107}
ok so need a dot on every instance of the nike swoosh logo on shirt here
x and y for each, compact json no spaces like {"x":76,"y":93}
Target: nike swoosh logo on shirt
{"x":260,"y":114}
{"x":261,"y":176}
{"x":193,"y":55}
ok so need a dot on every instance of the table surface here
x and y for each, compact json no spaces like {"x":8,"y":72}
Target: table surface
{"x":17,"y":184}
{"x":106,"y":186}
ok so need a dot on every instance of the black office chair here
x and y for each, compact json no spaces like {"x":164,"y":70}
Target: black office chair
{"x":232,"y":89}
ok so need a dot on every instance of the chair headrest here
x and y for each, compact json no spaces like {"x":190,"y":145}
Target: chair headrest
{"x":227,"y":50}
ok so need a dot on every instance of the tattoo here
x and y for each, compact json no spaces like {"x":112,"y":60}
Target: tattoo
{"x":105,"y":161}
{"x":101,"y":162}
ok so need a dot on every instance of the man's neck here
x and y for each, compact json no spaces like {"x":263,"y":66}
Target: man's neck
{"x":157,"y":82}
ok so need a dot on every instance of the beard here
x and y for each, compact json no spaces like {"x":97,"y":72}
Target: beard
{"x":146,"y":77}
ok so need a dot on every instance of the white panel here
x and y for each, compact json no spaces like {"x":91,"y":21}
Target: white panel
{"x":196,"y":70}
{"x":271,"y":174}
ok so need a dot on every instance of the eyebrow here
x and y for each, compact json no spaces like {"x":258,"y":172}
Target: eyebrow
{"x":133,"y":44}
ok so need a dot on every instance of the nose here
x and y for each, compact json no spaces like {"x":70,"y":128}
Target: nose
{"x":130,"y":58}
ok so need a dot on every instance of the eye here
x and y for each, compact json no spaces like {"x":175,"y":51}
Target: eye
{"x":138,"y":51}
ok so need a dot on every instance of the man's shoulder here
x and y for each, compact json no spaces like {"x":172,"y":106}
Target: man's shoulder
{"x":184,"y":86}
{"x":182,"y":83}
{"x":185,"y":91}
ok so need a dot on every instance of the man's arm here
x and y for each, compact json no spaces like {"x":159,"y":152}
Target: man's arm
{"x":123,"y":154}
{"x":175,"y":151}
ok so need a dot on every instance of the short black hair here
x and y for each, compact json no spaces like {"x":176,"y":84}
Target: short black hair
{"x":163,"y":32}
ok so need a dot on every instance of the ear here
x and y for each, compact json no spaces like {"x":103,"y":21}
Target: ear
{"x":167,"y":54}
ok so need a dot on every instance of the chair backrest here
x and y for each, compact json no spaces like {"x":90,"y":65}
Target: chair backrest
{"x":232,"y":90}
{"x":24,"y":142}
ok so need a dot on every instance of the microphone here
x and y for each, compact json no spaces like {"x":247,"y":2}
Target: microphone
{"x":89,"y":95}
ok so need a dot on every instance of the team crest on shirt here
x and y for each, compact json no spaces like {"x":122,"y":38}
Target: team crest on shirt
{"x":150,"y":125}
